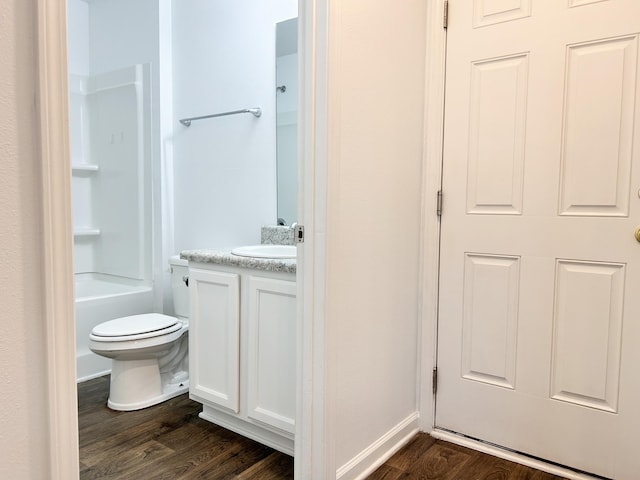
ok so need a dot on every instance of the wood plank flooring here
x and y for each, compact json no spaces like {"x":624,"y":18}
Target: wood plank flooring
{"x":169,"y":441}
{"x":426,"y":458}
{"x":166,"y":441}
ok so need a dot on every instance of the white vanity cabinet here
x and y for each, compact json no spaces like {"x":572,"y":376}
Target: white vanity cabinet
{"x":242,"y":350}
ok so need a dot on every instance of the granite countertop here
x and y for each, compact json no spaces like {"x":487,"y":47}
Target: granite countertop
{"x":223,"y":256}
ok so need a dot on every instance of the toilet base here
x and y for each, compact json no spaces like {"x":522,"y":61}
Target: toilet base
{"x":137,"y":384}
{"x":169,"y":392}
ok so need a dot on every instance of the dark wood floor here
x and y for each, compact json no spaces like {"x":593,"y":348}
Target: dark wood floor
{"x":166,"y":441}
{"x":169,"y":441}
{"x":426,"y":458}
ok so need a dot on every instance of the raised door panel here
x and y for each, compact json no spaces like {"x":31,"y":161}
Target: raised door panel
{"x":497,"y":122}
{"x":489,"y":331}
{"x":214,"y":346}
{"x":598,"y":129}
{"x":271,"y":364}
{"x":587,"y":333}
{"x":490,"y":12}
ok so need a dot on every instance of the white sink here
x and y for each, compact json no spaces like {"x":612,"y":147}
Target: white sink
{"x":266,"y":251}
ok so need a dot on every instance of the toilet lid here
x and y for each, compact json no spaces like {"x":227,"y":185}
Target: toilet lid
{"x":136,"y":325}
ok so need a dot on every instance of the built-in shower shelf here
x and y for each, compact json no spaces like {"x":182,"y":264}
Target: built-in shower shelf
{"x":86,"y":232}
{"x":84,"y":168}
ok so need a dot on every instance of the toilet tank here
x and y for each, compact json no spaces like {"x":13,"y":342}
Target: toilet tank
{"x":180,"y":292}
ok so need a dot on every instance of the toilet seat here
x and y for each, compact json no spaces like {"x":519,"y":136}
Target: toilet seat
{"x":135,"y":327}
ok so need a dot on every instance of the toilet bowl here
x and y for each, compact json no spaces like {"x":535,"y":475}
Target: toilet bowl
{"x":148,"y":352}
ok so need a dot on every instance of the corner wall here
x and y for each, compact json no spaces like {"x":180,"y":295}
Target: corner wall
{"x":375,"y":142}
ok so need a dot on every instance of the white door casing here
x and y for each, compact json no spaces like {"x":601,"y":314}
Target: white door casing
{"x":537,"y":333}
{"x":57,"y":241}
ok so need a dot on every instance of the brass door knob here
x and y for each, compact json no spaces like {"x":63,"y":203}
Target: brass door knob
{"x":637,"y":234}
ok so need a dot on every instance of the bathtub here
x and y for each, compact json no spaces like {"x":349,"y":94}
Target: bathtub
{"x":100,"y":298}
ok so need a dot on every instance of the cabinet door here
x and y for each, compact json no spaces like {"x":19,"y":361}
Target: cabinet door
{"x":271,"y":343}
{"x":214,"y":337}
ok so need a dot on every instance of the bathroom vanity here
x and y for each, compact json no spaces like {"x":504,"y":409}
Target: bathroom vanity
{"x":242,"y":344}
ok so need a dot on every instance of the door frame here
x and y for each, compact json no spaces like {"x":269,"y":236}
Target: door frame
{"x":312,"y":456}
{"x":312,"y":422}
{"x":431,"y":184}
{"x":57,"y":242}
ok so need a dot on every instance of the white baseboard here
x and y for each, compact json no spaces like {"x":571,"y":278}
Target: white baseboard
{"x":509,"y":455}
{"x":367,"y":461}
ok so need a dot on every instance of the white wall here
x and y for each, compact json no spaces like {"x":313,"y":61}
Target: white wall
{"x":224,"y":59}
{"x":375,"y":122}
{"x":122,"y":33}
{"x":24,"y":432}
{"x":78,"y":32}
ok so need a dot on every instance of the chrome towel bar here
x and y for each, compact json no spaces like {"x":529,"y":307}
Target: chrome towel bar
{"x":254,"y":111}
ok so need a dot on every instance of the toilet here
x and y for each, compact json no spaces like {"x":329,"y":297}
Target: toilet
{"x":148,"y":352}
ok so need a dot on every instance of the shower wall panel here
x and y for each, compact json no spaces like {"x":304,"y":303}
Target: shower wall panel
{"x":120,"y":143}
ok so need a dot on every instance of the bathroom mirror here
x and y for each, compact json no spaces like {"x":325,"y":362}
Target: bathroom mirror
{"x":286,"y":91}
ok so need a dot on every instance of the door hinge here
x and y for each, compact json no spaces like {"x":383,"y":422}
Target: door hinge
{"x":439,"y":203}
{"x":298,"y":233}
{"x":445,"y":16}
{"x":434,"y":380}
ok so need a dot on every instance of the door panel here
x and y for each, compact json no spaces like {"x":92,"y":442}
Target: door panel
{"x":538,"y":334}
{"x":587,"y":333}
{"x":595,"y":175}
{"x":488,"y":12}
{"x":214,"y":338}
{"x":271,"y":364}
{"x":490,"y":319}
{"x":497,"y":121}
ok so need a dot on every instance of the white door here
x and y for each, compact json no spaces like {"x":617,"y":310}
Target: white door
{"x":539,"y":327}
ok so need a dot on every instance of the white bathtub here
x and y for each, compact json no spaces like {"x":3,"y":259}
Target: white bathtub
{"x":100,"y":298}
